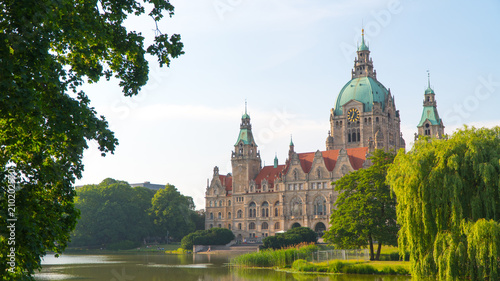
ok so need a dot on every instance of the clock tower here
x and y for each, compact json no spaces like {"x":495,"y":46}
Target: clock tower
{"x":365,"y":112}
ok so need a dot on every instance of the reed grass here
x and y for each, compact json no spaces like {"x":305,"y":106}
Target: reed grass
{"x":275,"y":258}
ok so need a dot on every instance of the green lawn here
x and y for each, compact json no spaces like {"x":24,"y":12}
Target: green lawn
{"x":381,"y":264}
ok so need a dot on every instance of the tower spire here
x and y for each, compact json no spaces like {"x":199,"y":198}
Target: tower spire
{"x":363,"y":65}
{"x":363,"y":46}
{"x":428,"y":79}
{"x":245,"y":106}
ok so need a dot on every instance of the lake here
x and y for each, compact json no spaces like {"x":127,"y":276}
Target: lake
{"x":159,"y":267}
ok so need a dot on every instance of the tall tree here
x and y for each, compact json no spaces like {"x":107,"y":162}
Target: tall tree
{"x":172,"y":213}
{"x":448,"y":195}
{"x":365,"y":210}
{"x":106,"y":212}
{"x":49,"y":49}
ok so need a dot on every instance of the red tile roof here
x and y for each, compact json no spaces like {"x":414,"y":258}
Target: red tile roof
{"x":227,"y":182}
{"x":270,"y":174}
{"x":356,"y":156}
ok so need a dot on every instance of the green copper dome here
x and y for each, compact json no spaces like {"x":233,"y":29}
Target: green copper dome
{"x":429,"y":91}
{"x":429,"y":113}
{"x":363,"y":89}
{"x":245,"y":136}
{"x":363,"y":46}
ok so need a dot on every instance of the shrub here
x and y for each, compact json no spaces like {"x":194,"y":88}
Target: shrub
{"x":213,"y":236}
{"x":359,"y":269}
{"x":293,"y":236}
{"x":304,"y":266}
{"x":188,"y":241}
{"x":306,"y":234}
{"x":335,"y":266}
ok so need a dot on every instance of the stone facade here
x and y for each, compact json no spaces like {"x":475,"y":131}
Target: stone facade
{"x":255,"y":201}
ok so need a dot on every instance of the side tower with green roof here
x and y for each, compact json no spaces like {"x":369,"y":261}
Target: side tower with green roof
{"x":245,"y":159}
{"x":430,"y":124}
{"x":365,"y":114}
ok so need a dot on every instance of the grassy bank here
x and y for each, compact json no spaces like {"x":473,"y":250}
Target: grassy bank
{"x":295,"y":259}
{"x":352,"y":267}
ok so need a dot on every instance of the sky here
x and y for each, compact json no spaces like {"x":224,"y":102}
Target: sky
{"x":289,"y":60}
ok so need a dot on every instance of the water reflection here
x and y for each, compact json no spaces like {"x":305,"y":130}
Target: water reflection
{"x":159,"y":267}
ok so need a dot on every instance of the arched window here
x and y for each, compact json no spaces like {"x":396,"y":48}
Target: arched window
{"x":211,"y":203}
{"x":276,"y":209}
{"x":265,"y":225}
{"x":252,"y":210}
{"x":239,"y":214}
{"x":219,"y":215}
{"x":353,"y":137}
{"x":229,"y":215}
{"x":295,"y":176}
{"x":211,"y":216}
{"x":239,"y":226}
{"x":277,"y":225}
{"x":229,"y":226}
{"x":251,"y":188}
{"x":359,"y":136}
{"x":229,"y":202}
{"x":220,"y":203}
{"x":265,"y":209}
{"x":349,"y":136}
{"x":318,"y":173}
{"x":320,"y":206}
{"x":251,"y":226}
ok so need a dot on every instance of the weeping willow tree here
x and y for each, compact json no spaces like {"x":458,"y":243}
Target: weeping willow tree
{"x":448,"y":205}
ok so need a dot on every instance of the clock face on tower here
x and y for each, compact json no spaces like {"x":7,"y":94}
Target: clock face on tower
{"x":353,"y":115}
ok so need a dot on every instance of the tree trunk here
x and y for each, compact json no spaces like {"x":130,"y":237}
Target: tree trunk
{"x":371,"y":246}
{"x":378,"y":251}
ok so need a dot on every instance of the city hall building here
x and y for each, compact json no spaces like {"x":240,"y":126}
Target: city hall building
{"x":255,"y":202}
